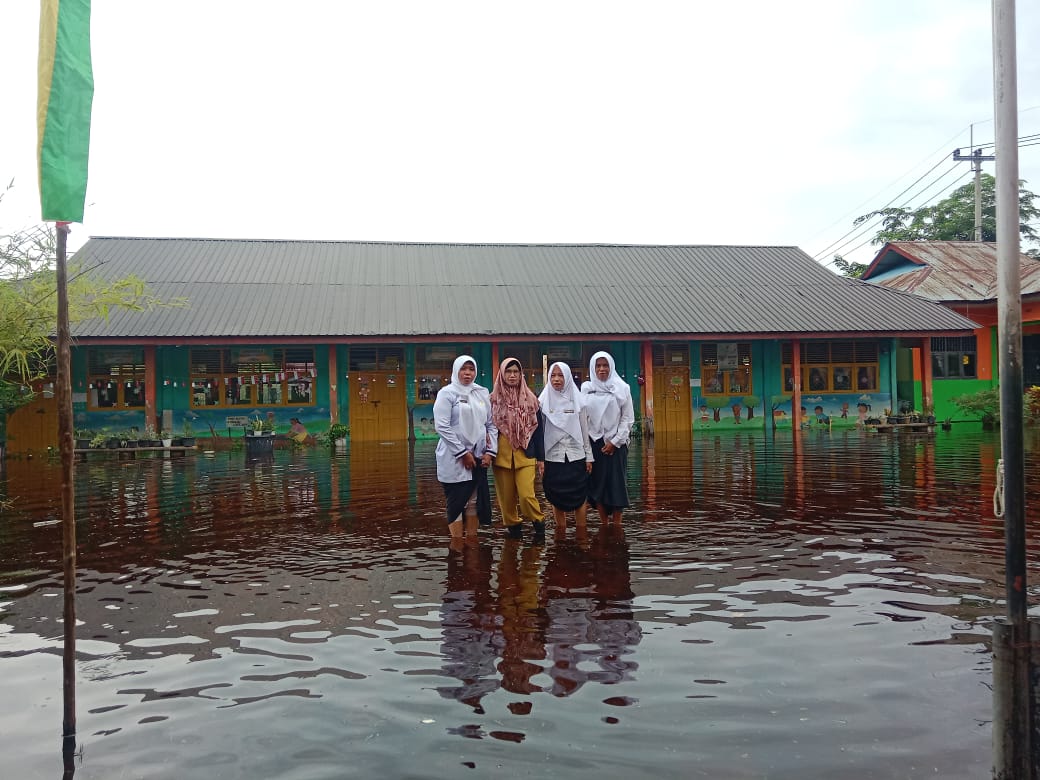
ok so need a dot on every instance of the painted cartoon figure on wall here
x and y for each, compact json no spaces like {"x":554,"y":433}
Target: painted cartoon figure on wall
{"x":861,"y":413}
{"x":844,"y":410}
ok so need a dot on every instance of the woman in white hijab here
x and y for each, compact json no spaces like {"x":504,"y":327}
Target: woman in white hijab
{"x":468,"y":443}
{"x":568,"y":453}
{"x":609,"y":402}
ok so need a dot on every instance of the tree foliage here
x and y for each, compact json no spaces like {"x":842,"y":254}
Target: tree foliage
{"x":29,"y":306}
{"x":848,"y":267}
{"x":953,"y":218}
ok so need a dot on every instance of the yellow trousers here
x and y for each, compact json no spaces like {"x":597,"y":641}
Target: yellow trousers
{"x":514,"y":485}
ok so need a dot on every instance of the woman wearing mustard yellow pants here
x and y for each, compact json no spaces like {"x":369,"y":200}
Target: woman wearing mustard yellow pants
{"x":514,"y":409}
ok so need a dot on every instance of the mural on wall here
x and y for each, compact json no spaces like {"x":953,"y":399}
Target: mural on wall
{"x":835,"y":410}
{"x":422,"y":422}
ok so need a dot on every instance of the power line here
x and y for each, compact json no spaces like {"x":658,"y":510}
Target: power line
{"x":870,"y":240}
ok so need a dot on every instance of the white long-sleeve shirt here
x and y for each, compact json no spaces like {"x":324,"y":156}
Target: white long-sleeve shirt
{"x":567,"y":448}
{"x":453,"y":442}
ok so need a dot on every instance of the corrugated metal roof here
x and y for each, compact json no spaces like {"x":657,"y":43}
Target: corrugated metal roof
{"x":946,"y":270}
{"x":245,"y":288}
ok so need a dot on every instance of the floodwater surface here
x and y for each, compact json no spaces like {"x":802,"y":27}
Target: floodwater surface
{"x":805,"y":609}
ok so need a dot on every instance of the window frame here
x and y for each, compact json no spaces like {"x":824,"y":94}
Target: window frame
{"x":709,"y":371}
{"x":232,"y":369}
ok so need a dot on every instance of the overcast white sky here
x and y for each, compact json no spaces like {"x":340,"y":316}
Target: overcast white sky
{"x":565,"y":121}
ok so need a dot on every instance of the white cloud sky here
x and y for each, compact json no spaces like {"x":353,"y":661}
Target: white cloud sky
{"x":585,"y":122}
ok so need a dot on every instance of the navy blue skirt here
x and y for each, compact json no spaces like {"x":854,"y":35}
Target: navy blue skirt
{"x":566,"y":485}
{"x":608,"y":486}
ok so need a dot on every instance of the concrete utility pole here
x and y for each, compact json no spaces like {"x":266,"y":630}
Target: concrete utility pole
{"x":976,"y":158}
{"x":1013,"y":680}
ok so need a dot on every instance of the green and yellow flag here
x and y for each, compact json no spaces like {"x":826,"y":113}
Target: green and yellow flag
{"x":63,"y":108}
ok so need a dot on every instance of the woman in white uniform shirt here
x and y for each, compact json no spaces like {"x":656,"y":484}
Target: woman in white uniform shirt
{"x":468,"y":443}
{"x":568,"y":453}
{"x":608,"y":400}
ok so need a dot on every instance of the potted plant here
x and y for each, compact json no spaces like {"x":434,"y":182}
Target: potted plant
{"x":99,"y":440}
{"x":150,"y":438}
{"x":338,"y":434}
{"x":258,"y":424}
{"x":188,"y":439}
{"x":984,"y":404}
{"x":928,"y":412}
{"x":83,"y":438}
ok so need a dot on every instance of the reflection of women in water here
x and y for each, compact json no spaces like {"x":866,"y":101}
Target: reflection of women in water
{"x":523,"y":622}
{"x":468,"y":443}
{"x":614,"y":627}
{"x":568,"y":608}
{"x":514,"y":409}
{"x":589,"y":606}
{"x":469,"y":646}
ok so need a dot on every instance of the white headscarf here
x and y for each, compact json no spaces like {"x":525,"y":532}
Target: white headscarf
{"x":473,"y":406}
{"x":562,"y":408}
{"x":604,"y":399}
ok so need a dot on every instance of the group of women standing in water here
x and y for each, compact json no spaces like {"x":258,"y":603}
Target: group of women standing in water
{"x":577,"y":440}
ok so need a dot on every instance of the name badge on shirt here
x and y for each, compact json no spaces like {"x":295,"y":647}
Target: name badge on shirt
{"x":568,"y":411}
{"x":463,"y":400}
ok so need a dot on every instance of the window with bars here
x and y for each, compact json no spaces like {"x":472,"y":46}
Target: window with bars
{"x":833,"y":366}
{"x":954,"y":357}
{"x":668,"y":355}
{"x":116,"y":378}
{"x":726,"y":368}
{"x":252,"y":376}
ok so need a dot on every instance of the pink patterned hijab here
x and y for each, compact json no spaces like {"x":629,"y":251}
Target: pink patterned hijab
{"x":514,"y":409}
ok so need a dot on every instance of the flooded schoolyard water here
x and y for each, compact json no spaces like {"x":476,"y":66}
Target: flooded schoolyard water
{"x":770,"y":609}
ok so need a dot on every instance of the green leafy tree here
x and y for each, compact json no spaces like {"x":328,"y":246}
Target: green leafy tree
{"x":29,"y":307}
{"x":953,"y":218}
{"x":848,"y":267}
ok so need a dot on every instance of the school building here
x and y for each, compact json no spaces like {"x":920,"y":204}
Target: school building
{"x":364,"y":333}
{"x":962,"y":276}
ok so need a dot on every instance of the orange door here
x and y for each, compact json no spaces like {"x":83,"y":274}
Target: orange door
{"x":672,"y":400}
{"x":34,"y":427}
{"x":378,"y":407}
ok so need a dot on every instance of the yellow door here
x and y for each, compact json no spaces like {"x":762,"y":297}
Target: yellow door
{"x":378,"y":407}
{"x":33,"y":427}
{"x":672,"y":400}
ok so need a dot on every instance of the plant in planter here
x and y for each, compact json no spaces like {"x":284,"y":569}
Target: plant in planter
{"x":257,"y":424}
{"x":338,"y":434}
{"x":985,"y":405}
{"x":149,"y":438}
{"x":84,"y":438}
{"x":99,"y":440}
{"x":188,"y":439}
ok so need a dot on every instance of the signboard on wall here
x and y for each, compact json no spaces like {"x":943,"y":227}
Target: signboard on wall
{"x":727,"y":355}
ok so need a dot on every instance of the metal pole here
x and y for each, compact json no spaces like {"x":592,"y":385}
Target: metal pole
{"x":63,"y":392}
{"x":977,"y":165}
{"x":1011,"y":748}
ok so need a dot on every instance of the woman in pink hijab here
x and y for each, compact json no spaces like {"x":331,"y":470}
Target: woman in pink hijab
{"x":514,"y":410}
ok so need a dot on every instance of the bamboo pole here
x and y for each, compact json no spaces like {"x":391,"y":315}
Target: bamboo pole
{"x":63,"y":392}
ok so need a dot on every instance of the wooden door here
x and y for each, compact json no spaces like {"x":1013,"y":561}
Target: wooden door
{"x":34,"y":427}
{"x":672,"y":400}
{"x":378,"y":406}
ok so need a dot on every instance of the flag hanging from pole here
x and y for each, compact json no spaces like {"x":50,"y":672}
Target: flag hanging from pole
{"x":66,"y":91}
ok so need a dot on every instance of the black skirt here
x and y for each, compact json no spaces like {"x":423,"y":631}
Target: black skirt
{"x":566,"y":485}
{"x":608,"y":487}
{"x":457,"y":495}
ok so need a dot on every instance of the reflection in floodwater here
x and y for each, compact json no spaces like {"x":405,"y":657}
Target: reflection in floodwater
{"x":770,"y":608}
